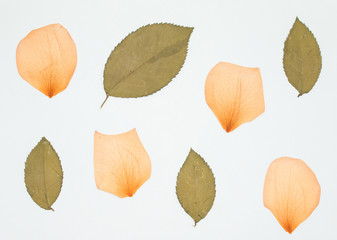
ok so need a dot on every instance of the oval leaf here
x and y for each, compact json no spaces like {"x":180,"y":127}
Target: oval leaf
{"x":146,"y":60}
{"x":291,"y":192}
{"x":196,"y":187}
{"x":43,"y":174}
{"x":302,"y":60}
{"x":46,"y":58}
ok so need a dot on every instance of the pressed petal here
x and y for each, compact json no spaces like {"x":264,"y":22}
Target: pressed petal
{"x":46,"y":58}
{"x":121,"y":163}
{"x":235,"y":94}
{"x":291,"y":192}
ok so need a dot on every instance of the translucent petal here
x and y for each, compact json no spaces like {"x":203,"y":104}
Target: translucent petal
{"x":291,"y":192}
{"x":121,"y":163}
{"x":46,"y":58}
{"x":235,"y":94}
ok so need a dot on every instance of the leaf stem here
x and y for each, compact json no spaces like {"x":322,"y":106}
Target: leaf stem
{"x":107,"y":96}
{"x":52,"y":209}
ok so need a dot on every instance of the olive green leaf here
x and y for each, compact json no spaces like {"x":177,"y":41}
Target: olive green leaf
{"x":43,"y":174}
{"x":146,"y":60}
{"x":302,"y":60}
{"x":196,"y":187}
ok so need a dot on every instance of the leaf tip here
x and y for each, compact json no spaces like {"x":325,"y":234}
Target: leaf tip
{"x":191,"y":153}
{"x":297,"y":21}
{"x":44,"y":139}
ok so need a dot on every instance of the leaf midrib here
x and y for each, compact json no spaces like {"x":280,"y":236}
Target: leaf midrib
{"x":45,"y":153}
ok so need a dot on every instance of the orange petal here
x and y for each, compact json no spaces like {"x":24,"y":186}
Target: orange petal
{"x":121,"y":163}
{"x":291,"y":192}
{"x":234,"y":94}
{"x":46,"y":58}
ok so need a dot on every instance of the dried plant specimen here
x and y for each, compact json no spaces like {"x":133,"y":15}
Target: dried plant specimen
{"x":43,"y":174}
{"x":146,"y":60}
{"x":291,"y":192}
{"x":302,"y":60}
{"x":46,"y":58}
{"x":234,"y":94}
{"x":121,"y":163}
{"x":196,"y":187}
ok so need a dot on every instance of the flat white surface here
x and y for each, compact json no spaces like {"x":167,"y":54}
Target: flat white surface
{"x":169,"y":123}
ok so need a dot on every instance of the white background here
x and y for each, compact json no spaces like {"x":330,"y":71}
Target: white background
{"x":169,"y":123}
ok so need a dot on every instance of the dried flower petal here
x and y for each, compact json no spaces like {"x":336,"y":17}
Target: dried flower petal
{"x":234,"y":94}
{"x":291,"y":192}
{"x":121,"y":163}
{"x":46,"y":58}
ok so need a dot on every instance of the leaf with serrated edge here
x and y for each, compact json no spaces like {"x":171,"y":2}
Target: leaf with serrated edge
{"x":302,"y":60}
{"x":146,"y":60}
{"x":196,"y":186}
{"x":43,"y":174}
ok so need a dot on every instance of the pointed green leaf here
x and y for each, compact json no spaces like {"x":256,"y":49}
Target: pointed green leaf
{"x":146,"y":60}
{"x":43,"y":174}
{"x":302,"y":61}
{"x":196,"y":187}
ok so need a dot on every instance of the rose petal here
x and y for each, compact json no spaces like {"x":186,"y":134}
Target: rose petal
{"x":121,"y":163}
{"x":46,"y":58}
{"x":291,"y":192}
{"x":234,"y":94}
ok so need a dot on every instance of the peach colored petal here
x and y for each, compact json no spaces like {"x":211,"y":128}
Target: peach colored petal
{"x":121,"y":163}
{"x":46,"y":58}
{"x":235,"y":94}
{"x":291,"y":192}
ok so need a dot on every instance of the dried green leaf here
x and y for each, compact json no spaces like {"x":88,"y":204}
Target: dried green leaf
{"x":196,"y":187}
{"x":302,"y":60}
{"x":146,"y":60}
{"x":43,"y":174}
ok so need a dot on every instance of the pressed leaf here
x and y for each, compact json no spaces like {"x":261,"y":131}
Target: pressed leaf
{"x":196,"y":187}
{"x":302,"y":60}
{"x":146,"y":60}
{"x":291,"y":192}
{"x":46,"y":58}
{"x":121,"y":163}
{"x":234,"y":94}
{"x":43,"y":174}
